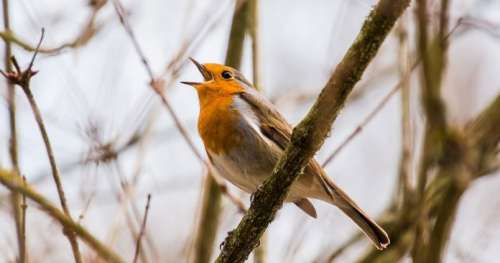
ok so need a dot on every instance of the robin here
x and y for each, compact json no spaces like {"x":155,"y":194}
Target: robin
{"x":245,"y":135}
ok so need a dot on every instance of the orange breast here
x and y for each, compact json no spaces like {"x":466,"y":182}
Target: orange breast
{"x":218,"y":123}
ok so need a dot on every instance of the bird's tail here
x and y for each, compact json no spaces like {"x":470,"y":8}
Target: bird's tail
{"x":373,"y":231}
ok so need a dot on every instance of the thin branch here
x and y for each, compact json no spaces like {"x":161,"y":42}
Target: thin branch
{"x":87,"y":32}
{"x":363,"y":123}
{"x":8,"y":179}
{"x":208,"y":222}
{"x":437,"y":137}
{"x":24,"y":207}
{"x":122,"y":197}
{"x":156,"y":84}
{"x":193,"y":42}
{"x":142,"y":231}
{"x":253,"y":29}
{"x":337,"y":252}
{"x":311,"y":132}
{"x":431,"y":52}
{"x":17,"y":209}
{"x":23,"y":79}
{"x":404,"y":189}
{"x":126,"y":194}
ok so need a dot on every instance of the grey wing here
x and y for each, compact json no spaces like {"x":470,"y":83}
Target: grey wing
{"x":274,"y":126}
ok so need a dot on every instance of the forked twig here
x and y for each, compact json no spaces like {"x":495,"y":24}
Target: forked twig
{"x":22,"y":78}
{"x":142,"y":231}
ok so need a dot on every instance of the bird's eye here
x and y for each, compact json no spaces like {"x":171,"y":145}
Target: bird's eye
{"x":226,"y":74}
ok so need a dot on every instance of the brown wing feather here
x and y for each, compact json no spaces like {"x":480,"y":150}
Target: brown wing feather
{"x":307,"y":207}
{"x":273,"y":125}
{"x":277,"y":129}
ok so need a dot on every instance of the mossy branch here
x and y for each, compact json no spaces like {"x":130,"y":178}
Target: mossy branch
{"x":311,"y":132}
{"x":9,"y":180}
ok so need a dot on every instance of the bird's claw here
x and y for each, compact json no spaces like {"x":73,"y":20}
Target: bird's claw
{"x":224,"y":242}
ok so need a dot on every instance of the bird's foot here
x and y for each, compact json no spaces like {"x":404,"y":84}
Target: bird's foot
{"x":225,"y":240}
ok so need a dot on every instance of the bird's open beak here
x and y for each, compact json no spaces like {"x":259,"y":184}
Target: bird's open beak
{"x":204,"y":72}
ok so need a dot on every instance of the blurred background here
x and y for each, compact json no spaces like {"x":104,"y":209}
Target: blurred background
{"x":115,"y":143}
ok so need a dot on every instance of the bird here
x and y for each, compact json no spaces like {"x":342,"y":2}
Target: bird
{"x":245,"y":135}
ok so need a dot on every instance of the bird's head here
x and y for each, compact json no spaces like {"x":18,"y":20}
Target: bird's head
{"x":219,"y":81}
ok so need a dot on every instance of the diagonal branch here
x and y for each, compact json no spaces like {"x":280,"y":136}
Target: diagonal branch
{"x":311,"y":132}
{"x":142,"y":231}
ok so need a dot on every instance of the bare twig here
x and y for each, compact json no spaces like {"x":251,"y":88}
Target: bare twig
{"x":405,"y":172}
{"x":141,"y":232}
{"x":207,"y":222}
{"x":482,"y":25}
{"x":363,"y":123}
{"x":125,"y":195}
{"x":337,"y":252}
{"x":9,"y":180}
{"x":23,"y":79}
{"x":156,"y":84}
{"x":13,"y":149}
{"x":431,"y":52}
{"x":253,"y":29}
{"x":24,"y":207}
{"x":436,"y":143}
{"x":87,"y":32}
{"x":192,"y":42}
